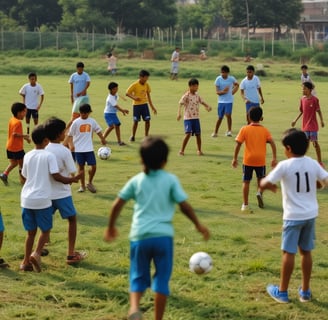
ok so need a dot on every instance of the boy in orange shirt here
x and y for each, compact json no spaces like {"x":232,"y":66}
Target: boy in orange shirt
{"x":255,"y":137}
{"x":15,"y":141}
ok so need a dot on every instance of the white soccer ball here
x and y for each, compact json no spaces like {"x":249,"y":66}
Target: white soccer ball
{"x":200,"y":262}
{"x":104,"y":153}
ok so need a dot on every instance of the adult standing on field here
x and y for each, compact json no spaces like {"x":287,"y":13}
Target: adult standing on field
{"x":175,"y":63}
{"x":250,"y":89}
{"x":226,"y":86}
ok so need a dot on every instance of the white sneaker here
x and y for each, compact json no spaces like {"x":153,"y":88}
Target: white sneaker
{"x":214,"y":135}
{"x":228,"y":134}
{"x":246,"y":209}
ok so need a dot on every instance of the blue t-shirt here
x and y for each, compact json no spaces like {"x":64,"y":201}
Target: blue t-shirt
{"x":221,"y":84}
{"x":79,"y":82}
{"x":155,"y":195}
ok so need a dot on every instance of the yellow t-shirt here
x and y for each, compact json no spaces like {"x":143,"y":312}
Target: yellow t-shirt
{"x":139,"y":90}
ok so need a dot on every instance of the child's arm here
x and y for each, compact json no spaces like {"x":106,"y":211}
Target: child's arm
{"x":235,"y":88}
{"x":189,"y":212}
{"x":66,"y":180}
{"x":24,"y":136}
{"x":179,"y":111}
{"x":151,"y":103}
{"x":266,"y":185}
{"x":207,"y":107}
{"x":294,"y":122}
{"x":321,"y":118}
{"x":235,"y":155}
{"x":274,"y":153}
{"x":111,"y":232}
{"x":261,"y":95}
{"x":102,"y":139}
{"x":41,"y":101}
{"x":124,"y":111}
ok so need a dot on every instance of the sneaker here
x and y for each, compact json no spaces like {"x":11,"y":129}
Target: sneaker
{"x":214,"y":135}
{"x":44,"y":252}
{"x":91,"y":188}
{"x":305,"y":296}
{"x":4,"y":179}
{"x":132,"y":139}
{"x":228,"y":134}
{"x":76,"y":258}
{"x":275,"y":294}
{"x":121,"y":143}
{"x":35,"y":259}
{"x":246,"y":209}
{"x":135,"y":316}
{"x":260,"y":200}
{"x":81,"y":189}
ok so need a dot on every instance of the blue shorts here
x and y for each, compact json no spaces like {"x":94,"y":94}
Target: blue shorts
{"x":32,"y":112}
{"x":142,"y":254}
{"x":192,"y":126}
{"x":112,"y":119}
{"x":34,"y":218}
{"x":19,"y":155}
{"x":311,"y":135}
{"x":2,"y":226}
{"x":65,"y":207}
{"x":139,"y":111}
{"x":250,"y":105}
{"x":298,"y":234}
{"x":248,"y":172}
{"x":224,"y":108}
{"x":83,"y":158}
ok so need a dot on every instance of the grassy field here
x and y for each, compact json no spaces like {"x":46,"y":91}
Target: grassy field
{"x":245,"y":248}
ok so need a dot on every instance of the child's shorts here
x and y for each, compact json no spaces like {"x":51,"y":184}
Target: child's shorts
{"x":17,"y":155}
{"x":142,"y":254}
{"x":34,"y":218}
{"x":312,"y":135}
{"x":65,"y":207}
{"x":192,"y":126}
{"x":83,"y":158}
{"x":112,"y":119}
{"x":2,"y":227}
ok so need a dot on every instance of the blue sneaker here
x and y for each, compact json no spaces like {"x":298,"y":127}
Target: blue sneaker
{"x":279,"y":296}
{"x":305,"y":296}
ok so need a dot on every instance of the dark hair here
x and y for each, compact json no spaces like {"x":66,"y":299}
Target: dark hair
{"x":225,"y":69}
{"x":296,"y":140}
{"x":250,"y":67}
{"x":154,"y":152}
{"x":17,"y":107}
{"x":192,"y":82}
{"x":85,"y":108}
{"x":308,"y":85}
{"x":32,"y":74}
{"x":39,"y":134}
{"x":255,"y":114}
{"x":112,"y":85}
{"x":144,"y":73}
{"x":54,"y":127}
{"x":80,"y":65}
{"x":304,"y":66}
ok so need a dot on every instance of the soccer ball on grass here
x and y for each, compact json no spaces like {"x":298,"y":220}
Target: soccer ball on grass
{"x":104,"y":153}
{"x":200,"y":262}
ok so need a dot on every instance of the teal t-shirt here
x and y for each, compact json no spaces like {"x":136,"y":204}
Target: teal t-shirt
{"x":155,"y":195}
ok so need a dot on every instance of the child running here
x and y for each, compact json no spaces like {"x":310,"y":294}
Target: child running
{"x":298,"y":176}
{"x":155,"y":192}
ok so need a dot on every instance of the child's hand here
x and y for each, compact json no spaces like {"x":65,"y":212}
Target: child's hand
{"x":293,"y":123}
{"x":110,"y":234}
{"x":209,"y":108}
{"x":125,"y":112}
{"x":178,"y":117}
{"x":202,"y":229}
{"x":234,"y":163}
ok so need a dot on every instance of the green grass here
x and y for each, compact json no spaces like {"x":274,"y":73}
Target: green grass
{"x":245,"y":248}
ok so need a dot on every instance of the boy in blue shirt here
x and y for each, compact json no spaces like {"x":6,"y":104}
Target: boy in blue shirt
{"x":155,"y":192}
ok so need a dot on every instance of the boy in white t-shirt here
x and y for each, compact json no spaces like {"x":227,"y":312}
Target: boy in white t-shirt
{"x":31,"y":92}
{"x":299,"y":176}
{"x":61,"y":194}
{"x":80,"y":136}
{"x":39,"y":168}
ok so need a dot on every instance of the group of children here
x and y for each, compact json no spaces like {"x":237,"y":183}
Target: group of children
{"x":156,"y":191}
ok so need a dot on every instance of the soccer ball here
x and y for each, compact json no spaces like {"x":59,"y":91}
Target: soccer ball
{"x":200,"y":262}
{"x":104,"y":153}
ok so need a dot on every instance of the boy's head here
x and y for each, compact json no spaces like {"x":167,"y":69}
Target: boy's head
{"x":32,"y":77}
{"x":193,"y":84}
{"x":18,"y":108}
{"x":154,"y":152}
{"x":85,"y":110}
{"x":304,"y":67}
{"x":39,"y":136}
{"x":295,"y":142}
{"x":250,"y":70}
{"x":143,"y":76}
{"x":308,"y":85}
{"x":255,"y":114}
{"x":112,"y":86}
{"x":79,"y":67}
{"x":54,"y":128}
{"x":225,"y":71}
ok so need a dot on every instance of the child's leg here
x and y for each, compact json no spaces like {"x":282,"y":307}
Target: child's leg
{"x":118,"y":133}
{"x":82,"y":171}
{"x":287,"y":267}
{"x":92,"y":172}
{"x":160,"y":303}
{"x":245,"y":192}
{"x":217,"y":125}
{"x":229,"y":121}
{"x":317,"y":150}
{"x":134,"y":128}
{"x":199,"y":144}
{"x":135,"y":298}
{"x":1,"y":239}
{"x":184,"y":142}
{"x":12,"y":164}
{"x":147,"y":127}
{"x":43,"y":239}
{"x":71,"y":235}
{"x":108,"y":131}
{"x":306,"y":263}
{"x":28,"y":246}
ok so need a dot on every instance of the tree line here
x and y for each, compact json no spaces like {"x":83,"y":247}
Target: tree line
{"x":131,"y":16}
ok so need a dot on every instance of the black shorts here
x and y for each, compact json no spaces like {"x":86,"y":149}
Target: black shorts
{"x":32,"y":112}
{"x":18,"y":155}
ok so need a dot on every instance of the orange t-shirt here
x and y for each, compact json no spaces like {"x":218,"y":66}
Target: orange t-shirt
{"x":255,"y":137}
{"x":15,"y":144}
